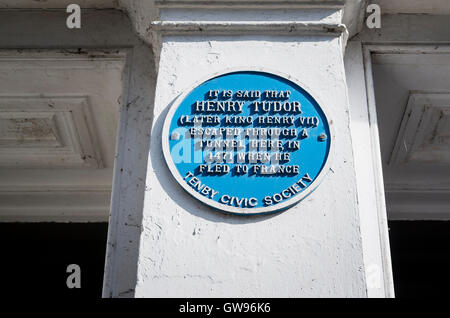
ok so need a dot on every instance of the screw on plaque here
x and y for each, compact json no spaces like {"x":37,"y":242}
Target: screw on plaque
{"x":322,"y":137}
{"x":175,"y":136}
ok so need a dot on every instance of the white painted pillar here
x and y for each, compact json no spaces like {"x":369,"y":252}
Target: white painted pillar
{"x":186,"y":249}
{"x":312,"y":249}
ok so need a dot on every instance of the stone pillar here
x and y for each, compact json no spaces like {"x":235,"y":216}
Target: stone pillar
{"x":312,"y":249}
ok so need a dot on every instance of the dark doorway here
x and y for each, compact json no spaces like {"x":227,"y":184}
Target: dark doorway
{"x":420,"y":252}
{"x":35,"y":256}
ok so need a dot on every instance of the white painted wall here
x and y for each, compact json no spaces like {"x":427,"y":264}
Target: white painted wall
{"x":311,"y":250}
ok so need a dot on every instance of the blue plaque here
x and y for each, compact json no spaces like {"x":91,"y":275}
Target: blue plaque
{"x":247,"y":142}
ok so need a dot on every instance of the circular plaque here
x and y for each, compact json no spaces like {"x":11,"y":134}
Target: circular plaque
{"x":247,"y":142}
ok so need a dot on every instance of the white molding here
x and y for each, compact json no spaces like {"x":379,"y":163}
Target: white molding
{"x":370,"y":191}
{"x":248,"y":4}
{"x":76,"y":142}
{"x":130,"y":166}
{"x":229,"y":28}
{"x":417,"y":139}
{"x":408,"y":48}
{"x":55,"y":205}
{"x":378,"y":174}
{"x":342,"y":18}
{"x":352,"y":17}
